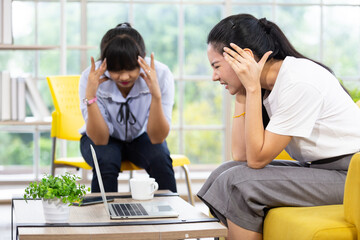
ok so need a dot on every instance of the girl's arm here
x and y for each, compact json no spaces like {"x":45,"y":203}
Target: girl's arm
{"x":96,"y":127}
{"x":158,"y":127}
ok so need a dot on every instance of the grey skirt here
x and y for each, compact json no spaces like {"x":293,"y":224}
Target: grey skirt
{"x":244,"y":195}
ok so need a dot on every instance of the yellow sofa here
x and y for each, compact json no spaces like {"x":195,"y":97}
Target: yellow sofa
{"x":332,"y":222}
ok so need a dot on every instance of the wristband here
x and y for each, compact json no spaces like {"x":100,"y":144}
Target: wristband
{"x":237,"y":116}
{"x":89,"y":102}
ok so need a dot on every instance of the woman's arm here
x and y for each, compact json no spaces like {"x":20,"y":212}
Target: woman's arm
{"x":96,"y":127}
{"x":158,"y":127}
{"x":261,"y":146}
{"x":238,"y":146}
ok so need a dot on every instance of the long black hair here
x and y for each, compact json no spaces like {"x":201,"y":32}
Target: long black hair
{"x":259,"y":35}
{"x":121,"y":47}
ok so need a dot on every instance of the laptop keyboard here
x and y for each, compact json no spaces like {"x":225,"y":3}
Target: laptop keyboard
{"x":128,"y":209}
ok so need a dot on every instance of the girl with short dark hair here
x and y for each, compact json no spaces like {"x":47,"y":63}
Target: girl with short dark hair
{"x":126,"y":101}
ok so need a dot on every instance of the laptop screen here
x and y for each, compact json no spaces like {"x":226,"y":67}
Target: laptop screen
{"x":101,"y":185}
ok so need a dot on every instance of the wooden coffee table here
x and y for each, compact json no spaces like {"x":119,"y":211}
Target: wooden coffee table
{"x":92,"y":222}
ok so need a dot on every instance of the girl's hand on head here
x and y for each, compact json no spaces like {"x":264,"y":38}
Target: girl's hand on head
{"x":150,"y":76}
{"x":95,"y":78}
{"x":244,"y":65}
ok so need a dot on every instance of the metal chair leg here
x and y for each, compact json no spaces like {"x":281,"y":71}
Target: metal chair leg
{"x":188,"y":184}
{"x":52,"y":170}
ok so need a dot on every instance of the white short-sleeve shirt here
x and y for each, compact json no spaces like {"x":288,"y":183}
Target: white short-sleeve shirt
{"x":308,"y":103}
{"x":110,"y":100}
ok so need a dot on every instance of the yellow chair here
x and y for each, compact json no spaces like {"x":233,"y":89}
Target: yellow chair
{"x":284,"y":156}
{"x":67,"y":120}
{"x":331,"y":222}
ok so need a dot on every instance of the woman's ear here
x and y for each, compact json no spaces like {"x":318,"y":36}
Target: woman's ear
{"x":248,"y":51}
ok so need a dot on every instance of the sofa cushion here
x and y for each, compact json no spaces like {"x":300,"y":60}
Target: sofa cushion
{"x":308,"y":223}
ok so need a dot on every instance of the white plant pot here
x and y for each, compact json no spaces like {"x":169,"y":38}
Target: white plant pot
{"x":55,"y":211}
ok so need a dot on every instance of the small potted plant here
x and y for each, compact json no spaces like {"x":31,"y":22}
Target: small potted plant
{"x":57,"y":194}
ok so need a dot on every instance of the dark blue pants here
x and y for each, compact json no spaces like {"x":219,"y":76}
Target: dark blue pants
{"x":154,"y":158}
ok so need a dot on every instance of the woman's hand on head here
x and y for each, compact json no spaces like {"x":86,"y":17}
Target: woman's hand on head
{"x":150,"y":76}
{"x":95,"y":78}
{"x":244,"y":65}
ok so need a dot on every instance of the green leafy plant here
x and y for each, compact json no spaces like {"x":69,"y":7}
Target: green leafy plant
{"x":64,"y":187}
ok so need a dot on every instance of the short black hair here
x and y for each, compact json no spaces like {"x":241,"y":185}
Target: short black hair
{"x":121,"y":47}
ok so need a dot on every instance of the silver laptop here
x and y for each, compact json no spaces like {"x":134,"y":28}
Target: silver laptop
{"x":146,"y":209}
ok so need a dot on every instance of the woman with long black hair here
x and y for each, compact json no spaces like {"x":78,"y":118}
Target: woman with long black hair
{"x":311,"y":117}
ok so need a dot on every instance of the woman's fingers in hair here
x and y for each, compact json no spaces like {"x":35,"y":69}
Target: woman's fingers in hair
{"x":235,"y":64}
{"x":98,"y":74}
{"x":239,"y":54}
{"x":102,"y":70}
{"x":103,"y":67}
{"x":233,"y":54}
{"x":150,"y":77}
{"x":103,"y":79}
{"x":143,"y":64}
{"x":147,"y":69}
{"x":96,"y":77}
{"x":233,"y":58}
{"x":237,"y":48}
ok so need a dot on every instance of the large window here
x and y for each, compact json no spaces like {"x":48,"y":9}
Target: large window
{"x":69,"y":33}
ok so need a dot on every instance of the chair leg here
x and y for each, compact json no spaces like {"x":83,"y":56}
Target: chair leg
{"x":52,"y":170}
{"x":84,"y":174}
{"x":188,"y":184}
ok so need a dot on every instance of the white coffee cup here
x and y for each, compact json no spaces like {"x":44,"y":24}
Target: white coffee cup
{"x":143,"y":188}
